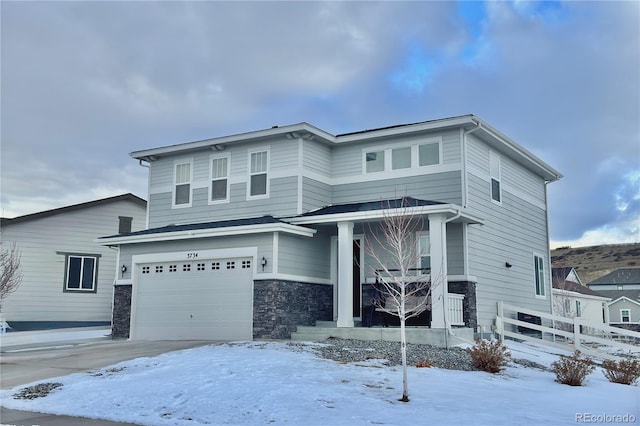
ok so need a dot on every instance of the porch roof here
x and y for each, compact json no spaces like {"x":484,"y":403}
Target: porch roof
{"x":373,"y":210}
{"x":252,"y":225}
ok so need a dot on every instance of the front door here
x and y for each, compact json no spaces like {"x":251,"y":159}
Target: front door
{"x":357,"y":289}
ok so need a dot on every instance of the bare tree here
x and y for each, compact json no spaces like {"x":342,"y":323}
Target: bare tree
{"x":10,"y":275}
{"x":404,"y":291}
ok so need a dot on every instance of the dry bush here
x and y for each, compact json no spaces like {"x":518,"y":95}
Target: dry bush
{"x":625,"y":371}
{"x":424,"y":364}
{"x":490,"y":356}
{"x":572,"y":370}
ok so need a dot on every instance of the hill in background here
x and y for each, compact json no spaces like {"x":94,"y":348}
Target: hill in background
{"x":593,"y":262}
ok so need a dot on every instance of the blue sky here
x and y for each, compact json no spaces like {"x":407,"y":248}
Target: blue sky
{"x":85,"y":83}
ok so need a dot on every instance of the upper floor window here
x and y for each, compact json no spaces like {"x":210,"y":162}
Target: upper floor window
{"x":374,"y":161}
{"x":402,"y":157}
{"x":538,"y":266}
{"x":496,"y":186}
{"x":429,"y":154}
{"x":424,"y":250}
{"x":182,"y":187}
{"x":81,"y":273}
{"x":259,"y":165}
{"x":219,"y":190}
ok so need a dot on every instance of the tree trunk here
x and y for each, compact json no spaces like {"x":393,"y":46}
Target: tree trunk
{"x":403,"y":349}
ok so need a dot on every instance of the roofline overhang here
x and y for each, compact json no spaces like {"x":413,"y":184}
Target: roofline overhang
{"x":562,"y":292}
{"x":614,"y":301}
{"x":207,"y":233}
{"x":454,"y":212}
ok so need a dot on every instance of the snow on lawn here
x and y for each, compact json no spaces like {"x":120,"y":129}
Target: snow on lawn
{"x":273,"y":382}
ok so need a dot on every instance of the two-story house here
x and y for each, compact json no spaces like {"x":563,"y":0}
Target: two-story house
{"x":252,"y":234}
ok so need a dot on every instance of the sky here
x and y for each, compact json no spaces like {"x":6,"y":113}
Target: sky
{"x":262,"y":383}
{"x":83,"y":84}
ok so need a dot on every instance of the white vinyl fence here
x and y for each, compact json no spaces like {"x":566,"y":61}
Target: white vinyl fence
{"x":594,"y":339}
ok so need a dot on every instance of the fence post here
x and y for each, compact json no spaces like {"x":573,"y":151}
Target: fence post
{"x":576,"y":333}
{"x":499,"y":323}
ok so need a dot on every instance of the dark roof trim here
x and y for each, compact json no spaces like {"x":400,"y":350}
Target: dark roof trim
{"x":371,"y":206}
{"x":47,"y":213}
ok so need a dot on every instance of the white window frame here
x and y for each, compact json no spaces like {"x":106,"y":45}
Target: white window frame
{"x":94,"y":278}
{"x":177,"y":163}
{"x":578,"y":308}
{"x":227,"y":157}
{"x":266,"y":173}
{"x":417,"y":153}
{"x":495,"y":173}
{"x":539,"y":276}
{"x":419,"y":236}
{"x":387,"y":151}
{"x":628,"y":315}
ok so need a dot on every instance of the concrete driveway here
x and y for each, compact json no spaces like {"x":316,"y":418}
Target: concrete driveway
{"x":41,"y":360}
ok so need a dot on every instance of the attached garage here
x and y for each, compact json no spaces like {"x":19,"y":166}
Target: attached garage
{"x":193,"y":299}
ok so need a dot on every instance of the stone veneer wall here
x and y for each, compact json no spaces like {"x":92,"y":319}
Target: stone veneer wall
{"x":279,"y":306}
{"x":469,"y":306}
{"x":121,"y":320}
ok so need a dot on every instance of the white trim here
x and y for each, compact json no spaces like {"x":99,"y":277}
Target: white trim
{"x":299,"y":172}
{"x":535,"y":276}
{"x":177,"y":162}
{"x":268,"y":177}
{"x":212,"y":157}
{"x":456,"y":278}
{"x":387,"y":150}
{"x":622,"y":321}
{"x":620,"y":299}
{"x":275,"y":252}
{"x":450,"y":209}
{"x":128,"y":281}
{"x":212,"y":232}
{"x":575,"y":294}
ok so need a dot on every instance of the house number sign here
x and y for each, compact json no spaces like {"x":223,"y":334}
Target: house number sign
{"x":192,"y":255}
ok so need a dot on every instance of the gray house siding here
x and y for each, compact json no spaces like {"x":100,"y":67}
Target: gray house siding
{"x":305,"y":257}
{"x":616,"y":306}
{"x":44,"y":244}
{"x":514,"y":231}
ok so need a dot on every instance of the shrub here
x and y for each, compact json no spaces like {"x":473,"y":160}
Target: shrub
{"x":625,"y":371}
{"x":572,"y":370}
{"x":490,"y":356}
{"x":424,"y":364}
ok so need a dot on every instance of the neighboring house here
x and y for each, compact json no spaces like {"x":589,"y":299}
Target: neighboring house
{"x":67,"y":278}
{"x":623,"y":287}
{"x":572,"y":299}
{"x":253,"y":234}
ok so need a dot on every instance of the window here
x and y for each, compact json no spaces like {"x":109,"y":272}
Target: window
{"x":182,"y":190}
{"x":424,"y":249}
{"x":401,"y":158}
{"x":374,"y":161}
{"x":625,"y":315}
{"x":124,"y":224}
{"x":258,"y":173}
{"x":219,"y":179}
{"x":429,"y":154}
{"x":81,"y":273}
{"x":578,"y":309}
{"x":494,"y":169}
{"x":538,"y":265}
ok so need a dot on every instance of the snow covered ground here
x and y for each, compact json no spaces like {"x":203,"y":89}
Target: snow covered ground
{"x":255,"y":383}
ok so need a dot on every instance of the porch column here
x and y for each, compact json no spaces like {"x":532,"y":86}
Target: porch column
{"x":345,"y":274}
{"x":439,"y":283}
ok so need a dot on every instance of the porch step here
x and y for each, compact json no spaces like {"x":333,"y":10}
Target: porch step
{"x":327,"y":324}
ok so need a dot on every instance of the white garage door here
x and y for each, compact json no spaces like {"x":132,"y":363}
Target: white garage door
{"x":193,"y":300}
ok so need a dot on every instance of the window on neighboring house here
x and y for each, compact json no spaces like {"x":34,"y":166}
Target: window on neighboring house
{"x":182,"y":195}
{"x":429,"y":154}
{"x":219,"y":179}
{"x":424,"y":250}
{"x":538,"y":264}
{"x":258,"y":173}
{"x":578,"y":309}
{"x":625,"y":315}
{"x":401,"y":158}
{"x":374,"y":161}
{"x":81,"y":273}
{"x":495,"y":171}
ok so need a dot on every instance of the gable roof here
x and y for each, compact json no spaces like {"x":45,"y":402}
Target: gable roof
{"x":617,"y":294}
{"x":613,"y":302}
{"x":576,"y":288}
{"x":66,"y":209}
{"x":489,"y":134}
{"x":620,"y":276}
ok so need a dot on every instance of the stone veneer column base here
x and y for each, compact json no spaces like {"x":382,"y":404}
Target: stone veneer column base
{"x":469,"y":306}
{"x":121,"y":320}
{"x":280,"y":306}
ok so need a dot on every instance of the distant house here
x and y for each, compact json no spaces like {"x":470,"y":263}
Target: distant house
{"x":623,"y":287}
{"x":67,"y":278}
{"x":572,"y":299}
{"x":251,"y":235}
